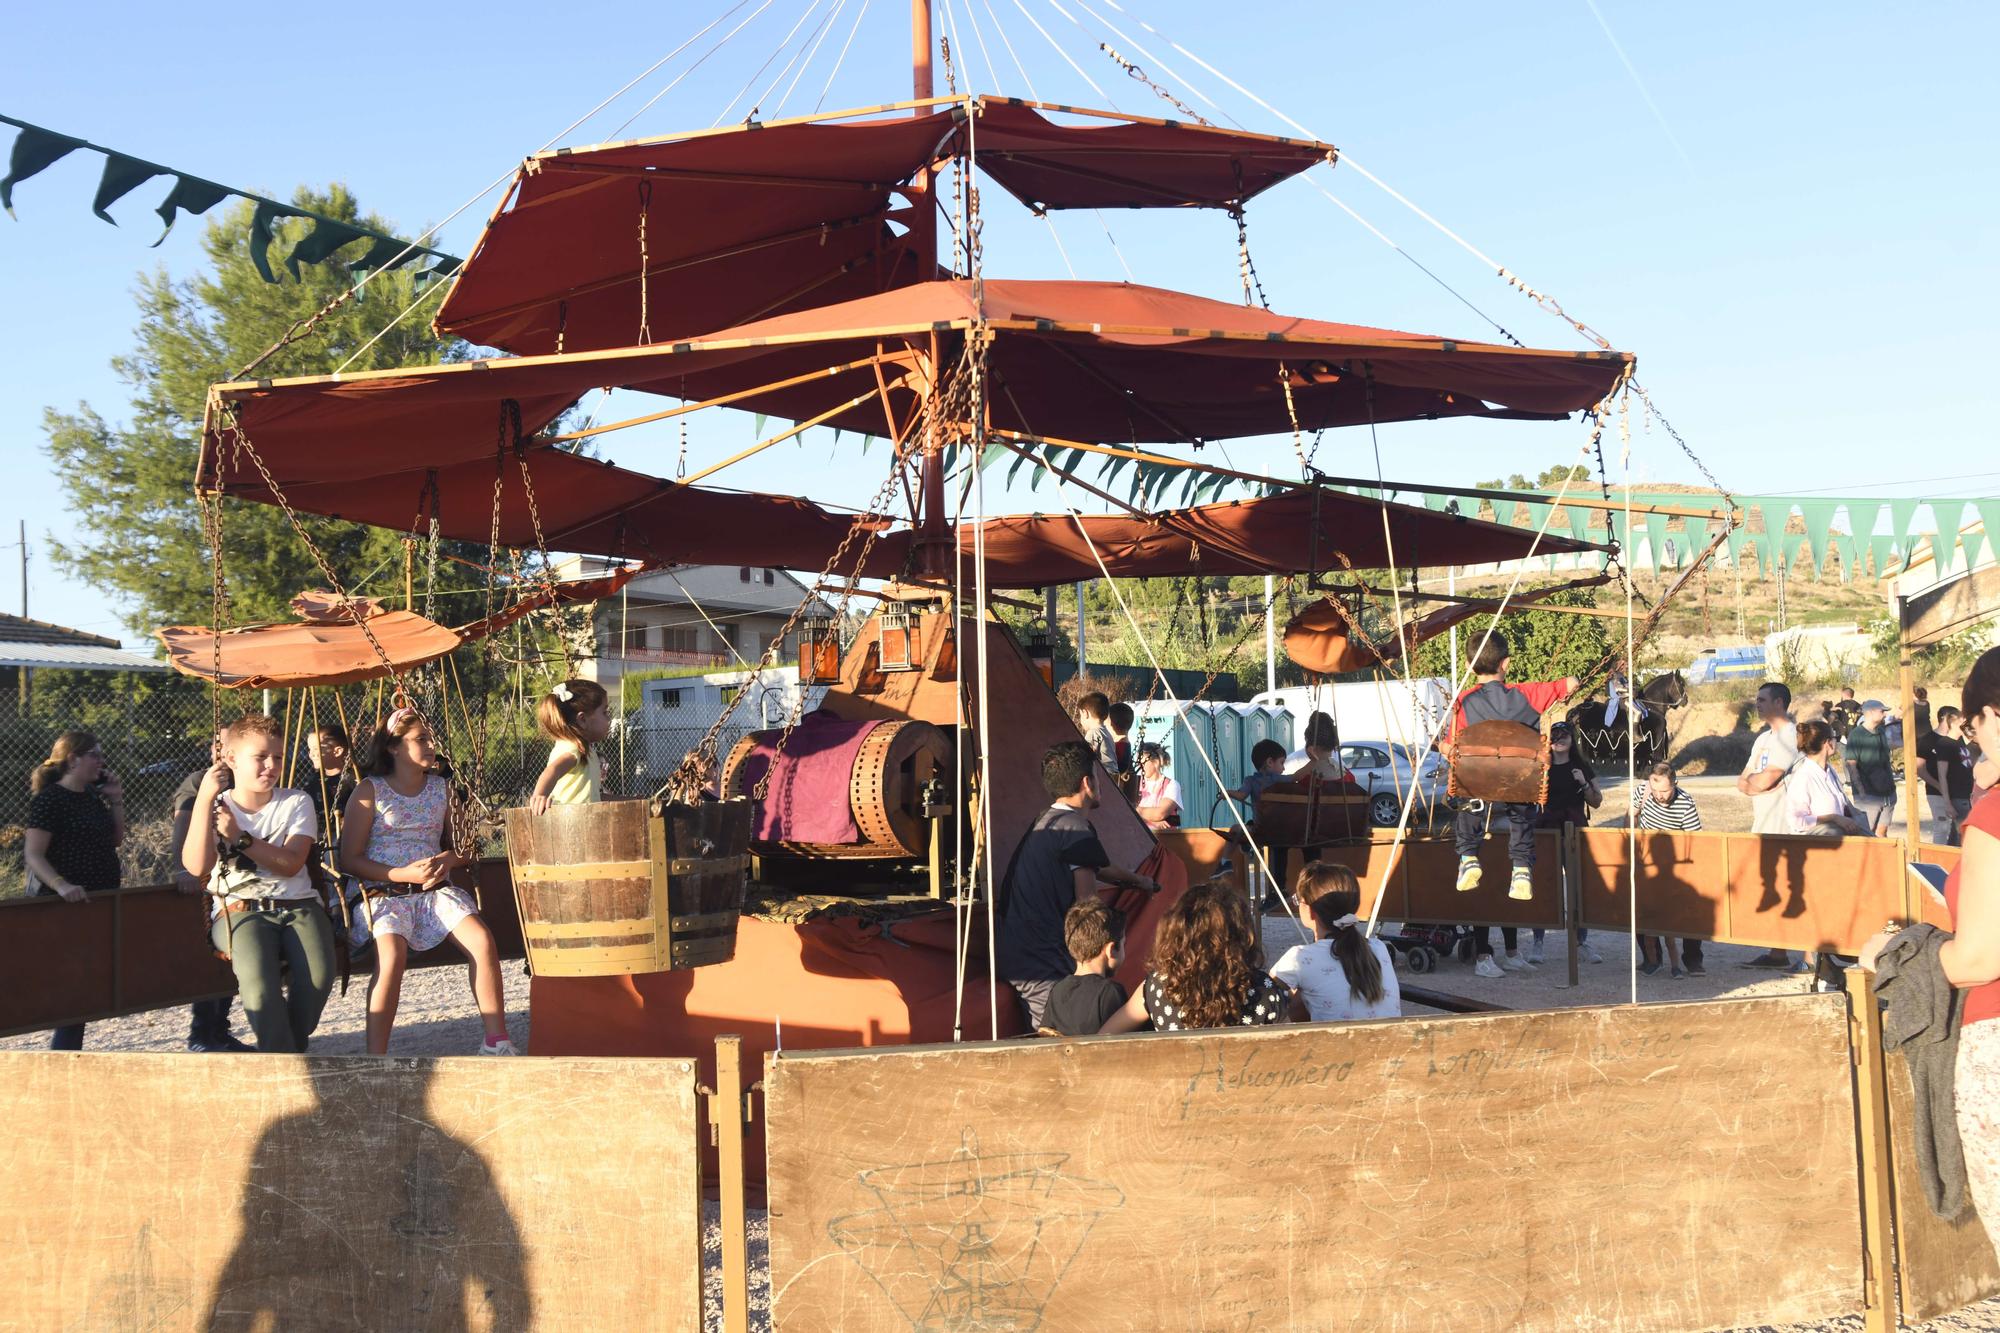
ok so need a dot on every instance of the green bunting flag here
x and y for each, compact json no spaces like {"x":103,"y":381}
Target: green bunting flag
{"x":36,"y":148}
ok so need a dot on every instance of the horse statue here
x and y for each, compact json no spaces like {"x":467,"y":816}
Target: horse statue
{"x":1604,"y":746}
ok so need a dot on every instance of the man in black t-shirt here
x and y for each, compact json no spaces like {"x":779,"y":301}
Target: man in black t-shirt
{"x":208,"y":1020}
{"x":1947,"y":770}
{"x":1058,"y":863}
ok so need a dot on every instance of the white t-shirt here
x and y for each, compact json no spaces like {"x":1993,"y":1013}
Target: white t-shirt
{"x":1810,"y":792}
{"x":1165,"y":791}
{"x":1777,"y":746}
{"x":287,"y":815}
{"x":1314,"y":971}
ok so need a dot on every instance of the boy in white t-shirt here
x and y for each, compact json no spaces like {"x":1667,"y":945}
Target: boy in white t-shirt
{"x":251,"y":845}
{"x":1342,"y":974}
{"x":1772,"y":758}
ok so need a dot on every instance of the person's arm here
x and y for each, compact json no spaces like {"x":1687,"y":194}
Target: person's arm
{"x":1125,"y":879}
{"x":355,"y":827}
{"x":1592,"y":795}
{"x":196,"y":837}
{"x":35,"y":851}
{"x":1132,"y":1016}
{"x":561,"y":760}
{"x":113,"y":793}
{"x":1971,"y":957}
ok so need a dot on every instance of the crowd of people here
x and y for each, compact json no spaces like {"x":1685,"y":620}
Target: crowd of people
{"x":360,"y":856}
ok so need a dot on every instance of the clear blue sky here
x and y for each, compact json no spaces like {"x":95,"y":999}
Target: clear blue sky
{"x":1787,"y":212}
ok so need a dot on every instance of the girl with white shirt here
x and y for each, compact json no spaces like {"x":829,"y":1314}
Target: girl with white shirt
{"x":1814,"y":796}
{"x":1342,"y":974}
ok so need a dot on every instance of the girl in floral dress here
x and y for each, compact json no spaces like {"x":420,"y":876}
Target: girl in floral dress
{"x":393,"y":840}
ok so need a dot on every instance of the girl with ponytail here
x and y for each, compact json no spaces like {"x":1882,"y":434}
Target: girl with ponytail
{"x":1342,"y":974}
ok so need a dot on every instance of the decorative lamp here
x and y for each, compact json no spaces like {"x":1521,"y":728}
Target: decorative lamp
{"x":819,"y":650}
{"x":1042,"y":652}
{"x":897,"y":625}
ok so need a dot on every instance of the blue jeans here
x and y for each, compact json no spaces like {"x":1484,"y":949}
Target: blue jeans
{"x":67,"y":1038}
{"x":1469,"y":829}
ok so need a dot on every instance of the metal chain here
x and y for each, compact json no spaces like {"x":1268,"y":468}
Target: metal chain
{"x":950,"y":74}
{"x":242,"y":446}
{"x":1140,"y":75}
{"x":1654,"y":414}
{"x":645,"y":205}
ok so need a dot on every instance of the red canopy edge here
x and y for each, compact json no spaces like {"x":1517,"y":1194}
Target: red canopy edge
{"x":758,"y":219}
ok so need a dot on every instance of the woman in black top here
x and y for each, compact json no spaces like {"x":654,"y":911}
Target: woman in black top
{"x":76,"y":819}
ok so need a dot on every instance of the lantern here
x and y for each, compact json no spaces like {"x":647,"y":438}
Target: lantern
{"x":897,"y":628}
{"x":1042,"y":653}
{"x":819,"y":651}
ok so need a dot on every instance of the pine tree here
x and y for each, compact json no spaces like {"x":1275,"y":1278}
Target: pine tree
{"x":130,"y":485}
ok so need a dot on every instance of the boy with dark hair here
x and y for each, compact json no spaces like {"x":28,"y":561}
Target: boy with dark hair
{"x":1493,"y":699}
{"x":1058,"y":864}
{"x":1094,"y":933}
{"x":1120,"y":723}
{"x":1267,"y":769}
{"x":1093,"y":719}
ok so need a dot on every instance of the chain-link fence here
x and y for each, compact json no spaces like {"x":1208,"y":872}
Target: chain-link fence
{"x":154,"y":730}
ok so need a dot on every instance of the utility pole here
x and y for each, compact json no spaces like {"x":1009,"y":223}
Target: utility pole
{"x":23,"y":674}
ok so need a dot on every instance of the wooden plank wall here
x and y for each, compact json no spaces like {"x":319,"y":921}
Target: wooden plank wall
{"x":146,"y":948}
{"x":1665,"y":1167}
{"x":163,"y":1192}
{"x":1784,"y":892}
{"x":1940,"y":1266}
{"x":1421,"y":886}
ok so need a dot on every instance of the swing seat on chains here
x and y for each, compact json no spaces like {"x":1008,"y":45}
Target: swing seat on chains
{"x":1500,"y":761}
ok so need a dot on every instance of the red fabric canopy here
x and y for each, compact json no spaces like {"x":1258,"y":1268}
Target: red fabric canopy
{"x":760,"y":219}
{"x":1074,"y":360}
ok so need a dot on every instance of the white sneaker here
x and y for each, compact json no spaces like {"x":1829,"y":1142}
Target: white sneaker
{"x":1588,"y":954}
{"x":1521,"y":884}
{"x":1469,"y":872}
{"x":500,"y":1047}
{"x":1534,"y":954}
{"x":1513,"y":962}
{"x":1486,"y":967}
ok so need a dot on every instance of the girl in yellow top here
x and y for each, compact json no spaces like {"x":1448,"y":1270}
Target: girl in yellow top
{"x":576,"y":715}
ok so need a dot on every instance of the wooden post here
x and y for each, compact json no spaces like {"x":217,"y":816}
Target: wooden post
{"x":1913,"y":782}
{"x":728,"y":1111}
{"x":1572,"y":882}
{"x":1871,"y":1089}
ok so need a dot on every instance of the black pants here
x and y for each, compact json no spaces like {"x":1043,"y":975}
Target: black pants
{"x":1482,"y":940}
{"x":209,"y":1019}
{"x":1469,"y":829}
{"x":1650,"y":951}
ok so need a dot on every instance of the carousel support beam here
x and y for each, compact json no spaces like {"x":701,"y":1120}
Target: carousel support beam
{"x":1913,"y":779}
{"x":719,"y":401}
{"x":780,"y":437}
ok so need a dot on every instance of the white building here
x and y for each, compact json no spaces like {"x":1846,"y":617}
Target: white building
{"x":716,"y":616}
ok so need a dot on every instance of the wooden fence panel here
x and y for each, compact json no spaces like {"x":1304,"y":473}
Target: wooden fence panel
{"x":1665,"y":1167}
{"x":1786,"y":892}
{"x":171,"y":1192}
{"x":1422,"y":885}
{"x":146,"y":948}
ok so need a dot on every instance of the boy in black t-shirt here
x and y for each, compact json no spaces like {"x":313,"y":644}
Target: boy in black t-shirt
{"x":1094,"y":932}
{"x":1058,"y":863}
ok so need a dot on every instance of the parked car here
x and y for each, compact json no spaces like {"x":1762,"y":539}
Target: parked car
{"x":1386,"y":772}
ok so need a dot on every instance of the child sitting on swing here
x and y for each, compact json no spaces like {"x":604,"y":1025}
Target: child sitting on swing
{"x":394,"y":838}
{"x":576,"y":715}
{"x":1493,"y":699}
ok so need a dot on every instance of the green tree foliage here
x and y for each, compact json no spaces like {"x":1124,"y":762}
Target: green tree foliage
{"x":1548,"y":479}
{"x":1546,"y":645}
{"x":130,"y":484}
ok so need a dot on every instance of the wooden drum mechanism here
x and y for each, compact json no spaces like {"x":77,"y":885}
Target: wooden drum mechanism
{"x":890,"y":789}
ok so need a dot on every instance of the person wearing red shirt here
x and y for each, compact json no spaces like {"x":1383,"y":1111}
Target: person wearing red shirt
{"x":1494,"y":699}
{"x":1971,"y":958}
